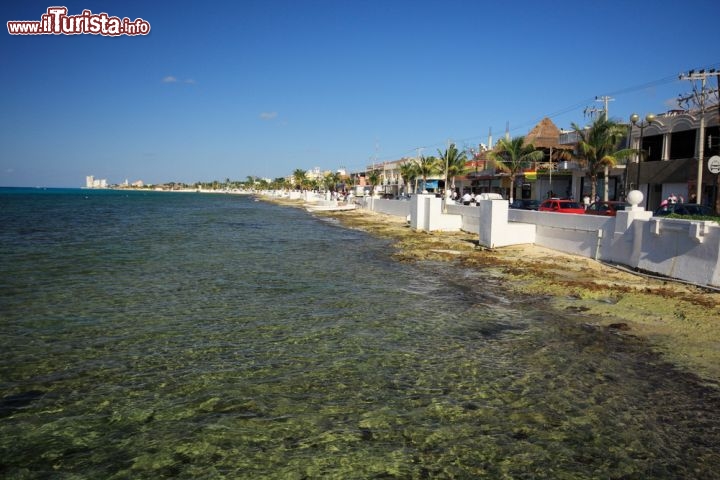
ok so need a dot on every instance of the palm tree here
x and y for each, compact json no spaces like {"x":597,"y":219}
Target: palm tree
{"x":512,"y":156}
{"x":598,"y":148}
{"x":374,"y":179}
{"x":408,"y":172}
{"x":299,"y":177}
{"x":330,"y":181}
{"x":456,"y":162}
{"x":348,"y":182}
{"x":280,"y":183}
{"x":427,"y":166}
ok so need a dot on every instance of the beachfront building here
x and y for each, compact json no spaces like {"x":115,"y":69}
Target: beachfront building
{"x":315,"y":174}
{"x":391,"y":185}
{"x":482,"y":176}
{"x":555,"y":175}
{"x":558,"y":174}
{"x":358,"y":180}
{"x":672,"y":144}
{"x":671,"y":147}
{"x":92,"y":182}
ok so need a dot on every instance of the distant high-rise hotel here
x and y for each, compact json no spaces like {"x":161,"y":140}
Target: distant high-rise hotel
{"x":91,"y":182}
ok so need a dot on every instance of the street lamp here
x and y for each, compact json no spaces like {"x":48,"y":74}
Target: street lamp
{"x":634,"y":119}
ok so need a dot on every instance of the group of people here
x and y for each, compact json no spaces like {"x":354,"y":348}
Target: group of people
{"x":586,"y":200}
{"x":340,"y":196}
{"x":467,"y":198}
{"x":672,"y":199}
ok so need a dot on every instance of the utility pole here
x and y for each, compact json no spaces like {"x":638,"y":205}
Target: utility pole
{"x":606,"y":172}
{"x":605,"y":99}
{"x":591,"y":112}
{"x":699,"y":98}
{"x":446,"y":192}
{"x":551,"y":167}
{"x":419,"y":152}
{"x":376,"y":153}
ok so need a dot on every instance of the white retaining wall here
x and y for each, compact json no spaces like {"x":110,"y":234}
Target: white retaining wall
{"x":398,"y":208}
{"x":683,"y":249}
{"x":426,"y":213}
{"x":296,"y":195}
{"x":586,"y":235}
{"x":495,"y":229}
{"x":470,"y":215}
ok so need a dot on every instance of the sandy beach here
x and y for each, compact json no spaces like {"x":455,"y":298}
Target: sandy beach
{"x":679,"y":321}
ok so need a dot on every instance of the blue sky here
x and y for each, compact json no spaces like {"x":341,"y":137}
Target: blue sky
{"x":231,"y":89}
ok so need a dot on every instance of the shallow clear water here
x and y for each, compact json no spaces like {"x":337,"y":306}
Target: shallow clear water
{"x":161,"y":335}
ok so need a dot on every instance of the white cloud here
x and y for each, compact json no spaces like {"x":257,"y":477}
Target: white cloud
{"x":174,"y":79}
{"x":268,"y":115}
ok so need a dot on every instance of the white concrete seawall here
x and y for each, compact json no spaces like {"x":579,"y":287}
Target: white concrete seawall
{"x":396,"y":208}
{"x":683,"y":249}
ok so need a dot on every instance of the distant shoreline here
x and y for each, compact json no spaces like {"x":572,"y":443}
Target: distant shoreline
{"x":126,"y":189}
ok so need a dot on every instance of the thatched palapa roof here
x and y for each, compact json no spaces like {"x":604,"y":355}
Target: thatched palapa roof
{"x":545,"y":135}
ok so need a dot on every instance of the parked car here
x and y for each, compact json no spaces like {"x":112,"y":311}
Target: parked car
{"x":525,"y":204}
{"x":560,"y":206}
{"x":684,"y":209}
{"x":488,"y":196}
{"x":608,"y":209}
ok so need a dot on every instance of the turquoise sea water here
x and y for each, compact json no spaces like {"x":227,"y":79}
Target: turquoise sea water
{"x":162,"y":335}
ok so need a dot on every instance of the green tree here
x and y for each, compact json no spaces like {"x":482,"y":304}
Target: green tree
{"x":313,"y":184}
{"x":427,"y":166}
{"x":280,"y":183}
{"x":409,"y":173}
{"x":456,"y":162}
{"x":512,"y":156}
{"x":330,"y":181}
{"x":598,"y":148}
{"x":300,"y":178}
{"x":374,"y":179}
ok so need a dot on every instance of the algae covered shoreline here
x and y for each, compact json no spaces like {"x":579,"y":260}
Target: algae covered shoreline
{"x":680,"y":322}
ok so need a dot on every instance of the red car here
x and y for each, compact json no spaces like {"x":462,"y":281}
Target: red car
{"x":608,"y":209}
{"x":561,"y":206}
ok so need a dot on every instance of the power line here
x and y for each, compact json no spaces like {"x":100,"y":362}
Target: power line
{"x":521,"y":126}
{"x":700,"y":98}
{"x":576,"y":106}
